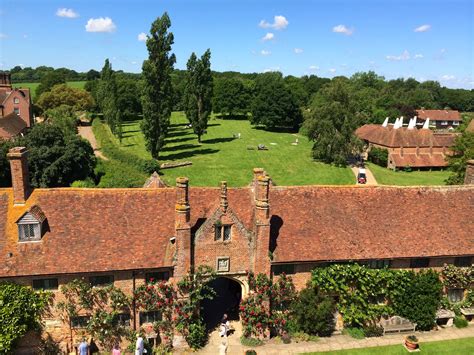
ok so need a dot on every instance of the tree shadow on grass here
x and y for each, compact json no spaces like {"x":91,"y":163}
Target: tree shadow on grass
{"x":180,"y":147}
{"x":218,"y":140}
{"x":179,"y":140}
{"x":277,"y":129}
{"x":188,"y":154}
{"x":177,"y":133}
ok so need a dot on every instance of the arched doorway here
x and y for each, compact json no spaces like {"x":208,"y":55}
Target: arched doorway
{"x":227,"y":300}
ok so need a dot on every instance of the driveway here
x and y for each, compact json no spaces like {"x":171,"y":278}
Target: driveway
{"x":370,"y":177}
{"x":87,"y":133}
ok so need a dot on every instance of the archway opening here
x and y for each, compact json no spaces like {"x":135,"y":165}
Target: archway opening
{"x":226,"y":301}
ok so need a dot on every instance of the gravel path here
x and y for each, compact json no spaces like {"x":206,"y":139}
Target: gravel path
{"x":370,"y":177}
{"x":87,"y":133}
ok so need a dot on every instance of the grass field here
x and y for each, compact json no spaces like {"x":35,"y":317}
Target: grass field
{"x":386,"y":176}
{"x":33,"y":86}
{"x":446,"y":347}
{"x":222,"y":157}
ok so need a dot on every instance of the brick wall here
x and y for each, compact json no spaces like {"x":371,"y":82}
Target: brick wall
{"x":23,"y":105}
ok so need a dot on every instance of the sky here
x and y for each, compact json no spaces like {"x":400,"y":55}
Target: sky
{"x":427,"y":40}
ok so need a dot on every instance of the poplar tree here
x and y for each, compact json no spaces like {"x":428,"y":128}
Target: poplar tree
{"x":108,"y":100}
{"x":198,"y":92}
{"x":157,"y":97}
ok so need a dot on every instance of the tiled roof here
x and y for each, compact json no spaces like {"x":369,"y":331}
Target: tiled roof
{"x":418,"y":161}
{"x":92,"y":230}
{"x":404,"y":137}
{"x":470,"y":126}
{"x":328,"y":223}
{"x":11,"y":125}
{"x":154,"y":182}
{"x":439,"y":115}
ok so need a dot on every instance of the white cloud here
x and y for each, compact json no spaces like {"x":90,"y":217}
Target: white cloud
{"x":69,"y":13}
{"x":142,"y":37}
{"x":265,"y":52}
{"x":101,"y":24}
{"x":279,"y":23}
{"x":298,"y":50}
{"x":423,"y":28}
{"x":332,"y":70}
{"x":3,"y":36}
{"x":343,"y":29}
{"x":418,"y":56}
{"x":448,"y":77}
{"x":269,"y":36}
{"x":404,"y":56}
{"x":313,"y":67}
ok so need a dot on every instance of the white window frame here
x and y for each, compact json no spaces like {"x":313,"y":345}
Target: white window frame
{"x":33,"y":232}
{"x":16,"y":100}
{"x":16,"y":110}
{"x":455,"y":123}
{"x":444,"y":123}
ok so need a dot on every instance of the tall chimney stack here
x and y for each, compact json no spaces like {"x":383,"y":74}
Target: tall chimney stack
{"x":18,"y":157}
{"x":262,"y":262}
{"x":182,"y":227}
{"x":469,"y":176}
{"x":224,"y":202}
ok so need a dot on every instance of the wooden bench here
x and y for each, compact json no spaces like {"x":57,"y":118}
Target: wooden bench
{"x":397,"y":324}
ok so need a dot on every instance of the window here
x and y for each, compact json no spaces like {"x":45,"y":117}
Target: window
{"x":378,"y":264}
{"x":149,"y":317}
{"x":444,"y":123}
{"x":79,"y":321}
{"x":103,"y":280}
{"x":222,"y":232}
{"x":16,"y":110}
{"x":157,"y":276}
{"x":16,"y":100}
{"x":419,"y":262}
{"x":30,"y":231}
{"x":45,"y":284}
{"x":455,"y":123}
{"x":455,"y":294}
{"x":463,"y":261}
{"x":123,"y":319}
{"x":287,"y":269}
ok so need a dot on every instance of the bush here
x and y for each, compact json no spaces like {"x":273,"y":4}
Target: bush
{"x":248,"y":341}
{"x":150,"y":166}
{"x":378,"y":156}
{"x":373,"y":331}
{"x":197,"y":335}
{"x":250,"y":352}
{"x":355,"y":333}
{"x":301,"y":336}
{"x":460,"y":322}
{"x":314,"y":313}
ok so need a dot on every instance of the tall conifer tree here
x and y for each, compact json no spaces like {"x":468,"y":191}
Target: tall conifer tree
{"x":157,"y":98}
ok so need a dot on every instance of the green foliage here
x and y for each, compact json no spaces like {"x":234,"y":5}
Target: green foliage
{"x":198,"y":92}
{"x":273,"y":103}
{"x":378,"y":156}
{"x":56,"y":160}
{"x":420,"y":299}
{"x":463,"y":149}
{"x":231,"y":97}
{"x":356,"y":333}
{"x":249,"y":341}
{"x":63,"y":117}
{"x":313,"y":313}
{"x":457,"y":277}
{"x":372,"y":331}
{"x":21,"y":309}
{"x":460,"y":322}
{"x":157,"y":98}
{"x":102,"y":304}
{"x":331,"y":121}
{"x":303,"y":337}
{"x":5,"y":174}
{"x":196,"y":336}
{"x":48,"y":81}
{"x":78,"y":99}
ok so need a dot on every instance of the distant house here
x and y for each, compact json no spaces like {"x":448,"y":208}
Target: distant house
{"x":408,"y":147}
{"x":15,"y":106}
{"x":442,"y":119}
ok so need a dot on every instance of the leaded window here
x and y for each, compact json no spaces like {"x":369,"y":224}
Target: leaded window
{"x":29,"y":231}
{"x":455,"y":294}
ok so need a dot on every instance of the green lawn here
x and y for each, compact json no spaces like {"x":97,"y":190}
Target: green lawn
{"x":455,"y":347}
{"x":221,"y":157}
{"x":33,"y":86}
{"x":386,"y":176}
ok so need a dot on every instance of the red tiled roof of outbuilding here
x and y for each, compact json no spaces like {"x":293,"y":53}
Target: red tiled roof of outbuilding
{"x":418,"y":161}
{"x":11,"y":125}
{"x":439,"y":115}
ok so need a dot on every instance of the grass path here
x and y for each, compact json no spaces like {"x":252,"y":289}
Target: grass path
{"x":386,"y":176}
{"x":222,"y":157}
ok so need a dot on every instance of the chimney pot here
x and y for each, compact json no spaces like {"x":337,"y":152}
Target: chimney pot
{"x":224,"y":201}
{"x":18,"y":157}
{"x":182,"y":201}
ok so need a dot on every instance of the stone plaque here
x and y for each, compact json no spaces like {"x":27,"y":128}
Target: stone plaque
{"x":223,"y":264}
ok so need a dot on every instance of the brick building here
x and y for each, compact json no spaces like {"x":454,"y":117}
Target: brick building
{"x":408,"y":147}
{"x":441,"y":119}
{"x":124,"y":236}
{"x":15,"y":109}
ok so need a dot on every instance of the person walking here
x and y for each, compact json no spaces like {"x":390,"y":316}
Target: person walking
{"x":83,"y":348}
{"x":116,"y":350}
{"x":140,"y":345}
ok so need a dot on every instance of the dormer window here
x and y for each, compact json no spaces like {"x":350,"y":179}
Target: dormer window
{"x":16,"y":100}
{"x":30,"y":225}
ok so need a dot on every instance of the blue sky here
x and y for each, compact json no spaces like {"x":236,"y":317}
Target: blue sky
{"x":422,"y":39}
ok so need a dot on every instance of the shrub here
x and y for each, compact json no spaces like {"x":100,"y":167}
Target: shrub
{"x":197,"y":335}
{"x":249,"y":341}
{"x":460,"y":322}
{"x":314,"y":313}
{"x":301,"y":336}
{"x":355,"y":333}
{"x":378,"y":156}
{"x":150,"y":166}
{"x":373,"y":331}
{"x":250,"y":352}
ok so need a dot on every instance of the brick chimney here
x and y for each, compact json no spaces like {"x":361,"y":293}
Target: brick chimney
{"x":224,"y":202}
{"x":469,"y":176}
{"x":182,"y":227}
{"x":262,"y":224}
{"x":18,"y":157}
